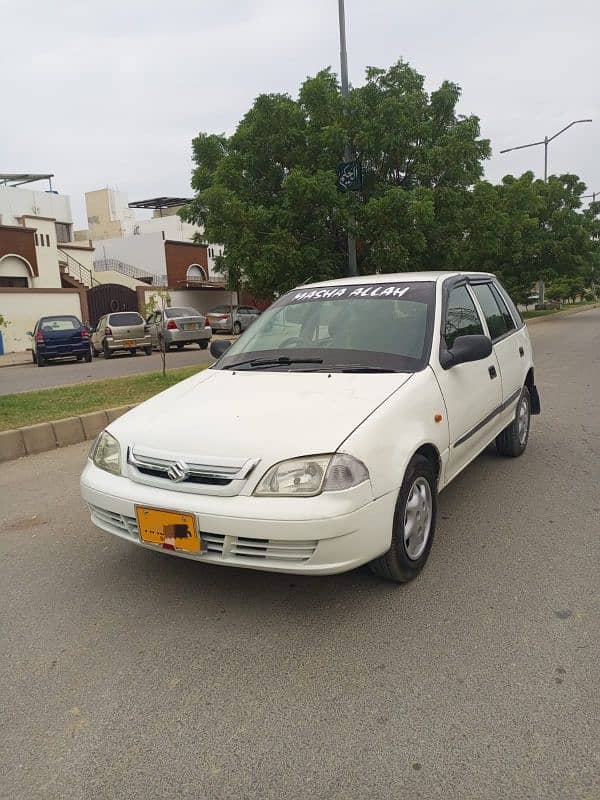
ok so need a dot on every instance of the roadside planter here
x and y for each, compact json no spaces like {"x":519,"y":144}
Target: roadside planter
{"x":320,"y":440}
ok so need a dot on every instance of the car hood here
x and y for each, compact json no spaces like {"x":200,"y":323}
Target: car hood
{"x":266,"y":415}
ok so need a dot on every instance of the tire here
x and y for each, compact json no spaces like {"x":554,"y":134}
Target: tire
{"x":87,"y":357}
{"x":180,"y":345}
{"x":203,"y":344}
{"x":79,"y":357}
{"x":148,"y":350}
{"x":237,"y":328}
{"x":408,"y":554}
{"x":40,"y":360}
{"x":512,"y":442}
{"x":133,"y":350}
{"x":33,"y":358}
{"x":106,"y":350}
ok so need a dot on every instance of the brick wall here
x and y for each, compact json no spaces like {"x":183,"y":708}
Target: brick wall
{"x":179,"y":256}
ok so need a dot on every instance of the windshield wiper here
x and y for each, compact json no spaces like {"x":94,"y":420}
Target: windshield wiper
{"x":281,"y":361}
{"x":360,"y":368}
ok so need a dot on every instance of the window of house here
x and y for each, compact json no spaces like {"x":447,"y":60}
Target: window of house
{"x":37,"y":241}
{"x":15,"y":282}
{"x":47,"y":240}
{"x":499,"y":321}
{"x":63,"y":231}
{"x":462,"y":318}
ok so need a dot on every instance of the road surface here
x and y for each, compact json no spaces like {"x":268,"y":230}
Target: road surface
{"x":61,"y":373}
{"x":130,"y":674}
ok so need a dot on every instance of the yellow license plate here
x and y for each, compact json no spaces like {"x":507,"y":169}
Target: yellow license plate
{"x":129,"y":343}
{"x":170,"y":530}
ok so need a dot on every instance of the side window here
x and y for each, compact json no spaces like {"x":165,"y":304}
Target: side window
{"x":462,"y":318}
{"x":501,"y":292}
{"x":499,"y":323}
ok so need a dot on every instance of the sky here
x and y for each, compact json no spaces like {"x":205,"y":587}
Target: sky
{"x":111,"y":93}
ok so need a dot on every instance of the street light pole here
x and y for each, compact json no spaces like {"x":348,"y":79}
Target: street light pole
{"x":352,"y":267}
{"x":545,"y":141}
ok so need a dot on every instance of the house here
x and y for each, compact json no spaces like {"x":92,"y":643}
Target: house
{"x":42,"y":270}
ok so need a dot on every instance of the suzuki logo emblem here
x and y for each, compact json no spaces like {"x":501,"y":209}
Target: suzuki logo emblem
{"x":178,"y":471}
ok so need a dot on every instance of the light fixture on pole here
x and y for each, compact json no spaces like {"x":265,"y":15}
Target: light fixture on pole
{"x":545,"y":141}
{"x":352,"y":267}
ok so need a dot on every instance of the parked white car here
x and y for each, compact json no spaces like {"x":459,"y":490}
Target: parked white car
{"x":319,"y":440}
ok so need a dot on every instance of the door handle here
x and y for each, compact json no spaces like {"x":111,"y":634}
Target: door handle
{"x":521,"y":352}
{"x":493,"y":373}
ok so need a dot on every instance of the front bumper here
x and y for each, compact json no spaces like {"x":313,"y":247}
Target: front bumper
{"x":119,"y":344}
{"x":333,"y":534}
{"x":181,"y":337}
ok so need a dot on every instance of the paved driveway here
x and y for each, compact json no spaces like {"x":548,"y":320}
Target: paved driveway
{"x":130,"y":674}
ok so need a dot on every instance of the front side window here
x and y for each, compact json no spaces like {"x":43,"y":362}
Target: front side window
{"x":499,"y":321}
{"x":383,"y":326}
{"x":462,"y":318}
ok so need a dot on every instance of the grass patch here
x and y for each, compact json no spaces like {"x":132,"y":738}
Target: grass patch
{"x":27,"y":408}
{"x":544,"y":313}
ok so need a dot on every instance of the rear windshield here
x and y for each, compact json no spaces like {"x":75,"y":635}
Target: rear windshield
{"x":125,"y":318}
{"x":384,"y":326}
{"x":60,"y":324}
{"x":172,"y":313}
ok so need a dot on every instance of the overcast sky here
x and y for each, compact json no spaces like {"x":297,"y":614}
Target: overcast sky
{"x":112,"y":92}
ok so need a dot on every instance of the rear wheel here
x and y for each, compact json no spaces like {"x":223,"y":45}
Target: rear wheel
{"x":203,"y":344}
{"x":40,"y":360}
{"x":79,"y":357}
{"x":148,"y":350}
{"x":513,"y":439}
{"x":106,"y":349}
{"x":180,"y":345}
{"x":33,"y":356}
{"x":237,"y":328}
{"x":87,"y":357}
{"x":133,"y":350}
{"x":413,"y":525}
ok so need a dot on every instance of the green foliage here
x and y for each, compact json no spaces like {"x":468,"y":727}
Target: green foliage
{"x":268,"y":192}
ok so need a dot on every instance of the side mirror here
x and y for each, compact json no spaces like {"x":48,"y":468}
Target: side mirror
{"x":466,"y":348}
{"x":218,"y":347}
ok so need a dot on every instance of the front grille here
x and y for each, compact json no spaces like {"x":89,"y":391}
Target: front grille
{"x":218,"y":546}
{"x":207,"y":476}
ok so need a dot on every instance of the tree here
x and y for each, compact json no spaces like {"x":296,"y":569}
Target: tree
{"x":268,"y":192}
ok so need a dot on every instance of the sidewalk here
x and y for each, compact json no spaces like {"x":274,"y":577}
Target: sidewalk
{"x":16,"y":359}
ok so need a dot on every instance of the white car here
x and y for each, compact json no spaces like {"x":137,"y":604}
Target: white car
{"x":320,"y":439}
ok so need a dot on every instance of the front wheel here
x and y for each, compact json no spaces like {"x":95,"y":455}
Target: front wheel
{"x":513,"y":439}
{"x":413,"y":525}
{"x":203,"y":344}
{"x":148,"y":350}
{"x":133,"y":350}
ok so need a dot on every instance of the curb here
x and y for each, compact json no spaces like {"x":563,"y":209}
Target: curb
{"x":59,"y":433}
{"x":565,"y":312}
{"x":15,"y":364}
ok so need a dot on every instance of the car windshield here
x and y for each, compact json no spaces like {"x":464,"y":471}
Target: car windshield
{"x":171,"y":313}
{"x":374,"y":326}
{"x":125,"y":318}
{"x":60,"y":324}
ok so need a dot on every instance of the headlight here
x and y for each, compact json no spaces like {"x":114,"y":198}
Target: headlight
{"x":306,"y":477}
{"x":106,"y":453}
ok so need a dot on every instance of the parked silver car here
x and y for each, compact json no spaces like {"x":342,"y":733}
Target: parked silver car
{"x":176,"y":327}
{"x":123,"y":330}
{"x":219,"y":318}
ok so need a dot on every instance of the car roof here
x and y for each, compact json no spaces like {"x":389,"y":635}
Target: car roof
{"x":397,"y":277}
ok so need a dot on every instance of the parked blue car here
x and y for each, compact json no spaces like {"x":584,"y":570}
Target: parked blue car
{"x":60,"y":336}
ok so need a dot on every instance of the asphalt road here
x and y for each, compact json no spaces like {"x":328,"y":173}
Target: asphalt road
{"x":60,"y":373}
{"x":130,"y":674}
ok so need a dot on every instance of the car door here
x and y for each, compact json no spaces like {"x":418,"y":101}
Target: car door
{"x":506,"y":339}
{"x":472,"y":391}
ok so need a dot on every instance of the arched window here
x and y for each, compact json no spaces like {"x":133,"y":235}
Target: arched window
{"x":15,"y":271}
{"x":195,"y":273}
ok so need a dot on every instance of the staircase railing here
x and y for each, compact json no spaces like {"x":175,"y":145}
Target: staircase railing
{"x":79,"y":271}
{"x":104,"y":264}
